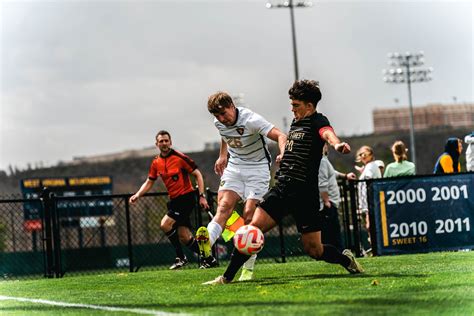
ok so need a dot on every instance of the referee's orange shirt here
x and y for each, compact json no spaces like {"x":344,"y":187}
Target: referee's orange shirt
{"x":174,"y":170}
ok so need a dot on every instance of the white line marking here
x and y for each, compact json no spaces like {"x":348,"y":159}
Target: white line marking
{"x":98,"y":307}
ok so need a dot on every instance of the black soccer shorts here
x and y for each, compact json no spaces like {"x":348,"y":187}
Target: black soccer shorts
{"x":300,"y":203}
{"x":181,"y":207}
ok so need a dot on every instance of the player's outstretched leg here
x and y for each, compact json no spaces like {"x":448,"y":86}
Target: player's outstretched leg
{"x":345,"y":259}
{"x":247,"y":269}
{"x":236,"y":261}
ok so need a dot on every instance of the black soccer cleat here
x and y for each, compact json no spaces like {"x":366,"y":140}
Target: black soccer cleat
{"x":209,"y":262}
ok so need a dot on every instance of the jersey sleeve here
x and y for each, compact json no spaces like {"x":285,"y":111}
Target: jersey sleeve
{"x":322,"y":125}
{"x":153,"y":171}
{"x":259,"y":124}
{"x":187,"y":163}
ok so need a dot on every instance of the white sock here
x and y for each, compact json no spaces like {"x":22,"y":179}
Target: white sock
{"x":215,"y":230}
{"x":250,"y":263}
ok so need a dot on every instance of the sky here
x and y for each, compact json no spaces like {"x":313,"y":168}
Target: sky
{"x":82,"y":78}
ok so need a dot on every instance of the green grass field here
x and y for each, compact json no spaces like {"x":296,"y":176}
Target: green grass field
{"x":430,"y":284}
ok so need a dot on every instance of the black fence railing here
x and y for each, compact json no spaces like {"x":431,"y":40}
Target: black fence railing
{"x":128,"y":237}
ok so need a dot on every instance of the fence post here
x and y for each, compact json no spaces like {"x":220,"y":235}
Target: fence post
{"x":355,"y":221}
{"x":47,"y":239}
{"x":56,"y":237}
{"x":129,"y":235}
{"x":346,"y":217}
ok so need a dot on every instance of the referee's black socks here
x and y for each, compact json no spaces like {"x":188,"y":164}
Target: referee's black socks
{"x":174,"y":239}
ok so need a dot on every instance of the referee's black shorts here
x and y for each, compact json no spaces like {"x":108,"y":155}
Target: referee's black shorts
{"x":181,"y":207}
{"x":300,"y":202}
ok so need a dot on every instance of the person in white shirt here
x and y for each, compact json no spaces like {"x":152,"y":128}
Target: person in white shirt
{"x":365,"y":154}
{"x":329,"y":199}
{"x":243,"y":164}
{"x":469,"y":140}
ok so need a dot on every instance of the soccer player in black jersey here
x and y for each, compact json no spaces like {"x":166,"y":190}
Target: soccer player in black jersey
{"x":296,"y":192}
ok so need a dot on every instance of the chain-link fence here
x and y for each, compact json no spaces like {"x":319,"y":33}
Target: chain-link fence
{"x":127,"y":237}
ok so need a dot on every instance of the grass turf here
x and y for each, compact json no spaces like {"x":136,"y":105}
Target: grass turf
{"x":435,"y":283}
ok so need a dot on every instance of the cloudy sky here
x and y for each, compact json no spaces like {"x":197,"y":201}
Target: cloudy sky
{"x":80,"y":78}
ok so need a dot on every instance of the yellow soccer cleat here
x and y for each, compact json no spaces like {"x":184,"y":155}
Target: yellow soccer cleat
{"x":202,"y":237}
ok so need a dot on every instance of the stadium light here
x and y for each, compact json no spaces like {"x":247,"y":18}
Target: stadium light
{"x":290,"y":4}
{"x":405,"y":70}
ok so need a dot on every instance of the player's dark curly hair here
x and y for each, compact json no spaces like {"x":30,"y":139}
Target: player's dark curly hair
{"x":305,"y":90}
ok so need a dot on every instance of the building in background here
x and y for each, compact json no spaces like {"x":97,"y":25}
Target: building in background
{"x":425,"y":117}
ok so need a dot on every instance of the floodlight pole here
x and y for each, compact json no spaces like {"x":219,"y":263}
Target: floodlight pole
{"x":293,"y":36}
{"x":408,"y":75}
{"x":412,"y":124}
{"x":289,"y":4}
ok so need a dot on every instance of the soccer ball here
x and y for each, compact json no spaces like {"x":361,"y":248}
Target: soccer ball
{"x":248,"y":240}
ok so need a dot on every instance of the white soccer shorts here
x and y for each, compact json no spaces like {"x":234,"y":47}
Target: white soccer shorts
{"x":248,"y":183}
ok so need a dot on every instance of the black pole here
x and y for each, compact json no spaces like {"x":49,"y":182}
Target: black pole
{"x":347,"y":225}
{"x":102,"y":233}
{"x":48,"y":238}
{"x":355,"y":219}
{"x":80,"y":236}
{"x":129,"y":235}
{"x":412,"y":123}
{"x":34,"y":241}
{"x":56,"y":238}
{"x":12,"y":228}
{"x":293,"y":37}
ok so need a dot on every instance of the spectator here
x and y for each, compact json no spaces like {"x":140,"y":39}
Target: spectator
{"x":469,"y":140}
{"x":329,"y":200}
{"x":448,"y":161}
{"x":381,"y":166}
{"x":370,"y":170}
{"x":401,"y":166}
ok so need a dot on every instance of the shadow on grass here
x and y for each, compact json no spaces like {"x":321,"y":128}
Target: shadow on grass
{"x":288,"y":279}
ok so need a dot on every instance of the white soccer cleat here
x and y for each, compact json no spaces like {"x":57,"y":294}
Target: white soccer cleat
{"x":219,"y":280}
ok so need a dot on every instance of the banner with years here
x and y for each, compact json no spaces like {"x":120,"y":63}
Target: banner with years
{"x":422,"y":214}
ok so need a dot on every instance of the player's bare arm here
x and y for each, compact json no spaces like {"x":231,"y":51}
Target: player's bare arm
{"x":200,"y":183}
{"x":221,"y":162}
{"x":278,"y":136}
{"x":335,"y":142}
{"x":146,"y":186}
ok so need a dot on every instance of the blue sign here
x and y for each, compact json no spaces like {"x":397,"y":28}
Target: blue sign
{"x":422,"y":214}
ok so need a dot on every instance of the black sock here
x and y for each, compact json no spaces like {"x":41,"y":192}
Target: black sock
{"x":193,"y":245}
{"x":332,"y":255}
{"x":237,"y":260}
{"x":173,"y":237}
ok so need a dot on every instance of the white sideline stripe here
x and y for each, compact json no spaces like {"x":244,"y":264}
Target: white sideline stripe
{"x":98,"y":307}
